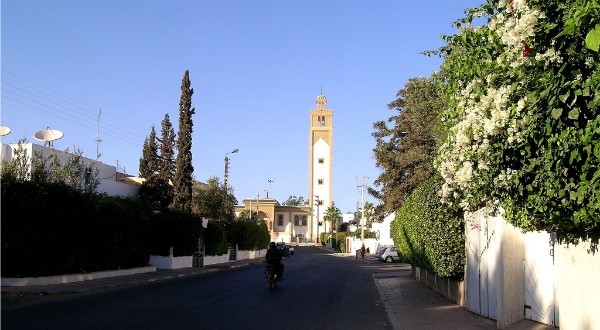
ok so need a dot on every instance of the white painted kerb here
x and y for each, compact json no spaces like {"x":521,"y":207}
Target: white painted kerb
{"x":58,"y":279}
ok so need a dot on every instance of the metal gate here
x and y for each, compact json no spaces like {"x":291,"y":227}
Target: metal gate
{"x":233,"y":252}
{"x":198,"y":258}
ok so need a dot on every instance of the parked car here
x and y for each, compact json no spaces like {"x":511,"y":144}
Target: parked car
{"x":390,"y":254}
{"x":380,"y":250}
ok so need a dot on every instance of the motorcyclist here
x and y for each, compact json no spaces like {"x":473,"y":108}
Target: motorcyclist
{"x":274,"y":256}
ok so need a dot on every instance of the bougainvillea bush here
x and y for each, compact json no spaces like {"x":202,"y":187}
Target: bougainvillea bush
{"x":523,"y":78}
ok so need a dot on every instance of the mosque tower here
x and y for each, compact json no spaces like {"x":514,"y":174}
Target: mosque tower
{"x":320,"y":170}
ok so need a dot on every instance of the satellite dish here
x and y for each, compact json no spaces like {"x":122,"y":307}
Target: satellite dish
{"x":48,"y":135}
{"x":4,"y":130}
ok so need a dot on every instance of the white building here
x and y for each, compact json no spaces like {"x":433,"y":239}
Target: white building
{"x":111,"y":182}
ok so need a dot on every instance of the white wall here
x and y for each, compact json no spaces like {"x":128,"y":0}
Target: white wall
{"x":106,"y":173}
{"x":578,"y":286}
{"x":531,"y":277}
{"x":384,"y":229}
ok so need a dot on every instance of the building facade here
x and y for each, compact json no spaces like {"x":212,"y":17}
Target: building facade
{"x":285,"y":223}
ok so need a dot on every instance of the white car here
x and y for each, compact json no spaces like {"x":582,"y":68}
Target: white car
{"x":389,"y":254}
{"x":380,"y":250}
{"x":291,"y":249}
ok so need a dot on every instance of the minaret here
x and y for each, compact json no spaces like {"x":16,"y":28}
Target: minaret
{"x":320,"y":168}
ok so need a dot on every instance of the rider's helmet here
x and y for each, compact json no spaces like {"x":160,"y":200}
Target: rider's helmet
{"x":273,"y":245}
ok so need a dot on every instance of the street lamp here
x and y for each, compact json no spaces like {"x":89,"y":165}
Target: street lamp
{"x":317,"y":204}
{"x":227,"y":166}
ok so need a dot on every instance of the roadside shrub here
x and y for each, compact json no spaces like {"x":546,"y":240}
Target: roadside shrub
{"x":215,"y":239}
{"x":430,"y":234}
{"x":264,"y":238}
{"x":53,"y":229}
{"x":249,"y":235}
{"x":178,"y":229}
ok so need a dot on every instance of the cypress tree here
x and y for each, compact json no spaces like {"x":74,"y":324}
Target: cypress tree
{"x":167,"y":150}
{"x":148,"y":162}
{"x":182,"y":183}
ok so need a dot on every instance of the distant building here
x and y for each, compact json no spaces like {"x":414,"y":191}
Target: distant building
{"x":348,"y":217}
{"x":285,"y":223}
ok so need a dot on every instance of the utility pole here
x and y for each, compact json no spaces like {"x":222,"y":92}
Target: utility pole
{"x":362,"y":217}
{"x":227,"y":166}
{"x":317,"y":204}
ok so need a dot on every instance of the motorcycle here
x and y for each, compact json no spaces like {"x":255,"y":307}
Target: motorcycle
{"x":271,"y":274}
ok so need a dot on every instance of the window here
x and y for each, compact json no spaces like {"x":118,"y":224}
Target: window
{"x":296,"y":220}
{"x":303,"y":223}
{"x":321,"y":160}
{"x":320,"y":202}
{"x":321,"y":181}
{"x":280,"y":220}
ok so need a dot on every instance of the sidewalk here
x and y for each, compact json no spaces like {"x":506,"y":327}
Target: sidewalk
{"x":411,"y":305}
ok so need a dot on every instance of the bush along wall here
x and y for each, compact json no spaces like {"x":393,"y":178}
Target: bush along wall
{"x":215,"y":239}
{"x":430,"y":234}
{"x":248,"y":235}
{"x":177,"y":229}
{"x":52,"y":229}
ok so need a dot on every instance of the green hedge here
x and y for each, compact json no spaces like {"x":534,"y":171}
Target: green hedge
{"x":52,"y":229}
{"x":177,"y":229}
{"x":215,"y":239}
{"x":429,"y":234}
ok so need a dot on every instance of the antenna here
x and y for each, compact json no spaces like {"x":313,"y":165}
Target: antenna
{"x":4,"y":130}
{"x":98,"y":136}
{"x":48,"y":136}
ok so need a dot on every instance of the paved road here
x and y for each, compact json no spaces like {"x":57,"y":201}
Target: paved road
{"x":320,"y":291}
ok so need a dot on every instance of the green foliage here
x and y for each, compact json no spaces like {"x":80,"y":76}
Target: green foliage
{"x":182,"y":181}
{"x":324,"y":238}
{"x":248,"y":235}
{"x":72,"y":172}
{"x":215,"y":239}
{"x":214,"y":201}
{"x":405,"y":151}
{"x":295,"y":201}
{"x":149,"y":161}
{"x":156,"y":191}
{"x":173,"y":228}
{"x":429,"y":234}
{"x":18,"y":168}
{"x":522,"y":119}
{"x":53,"y":229}
{"x":166,"y":169}
{"x":333,"y":215}
{"x":339,"y":240}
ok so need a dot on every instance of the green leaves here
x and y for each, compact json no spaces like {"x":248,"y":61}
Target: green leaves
{"x":542,"y":165}
{"x":592,"y":40}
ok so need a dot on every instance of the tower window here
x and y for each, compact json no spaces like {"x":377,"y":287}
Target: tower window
{"x":320,"y":202}
{"x":321,"y":181}
{"x":321,"y":160}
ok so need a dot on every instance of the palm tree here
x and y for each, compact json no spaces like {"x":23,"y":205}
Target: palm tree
{"x":369,"y":210}
{"x":332,"y":214}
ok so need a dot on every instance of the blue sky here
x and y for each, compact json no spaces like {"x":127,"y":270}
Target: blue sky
{"x":256,"y":68}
